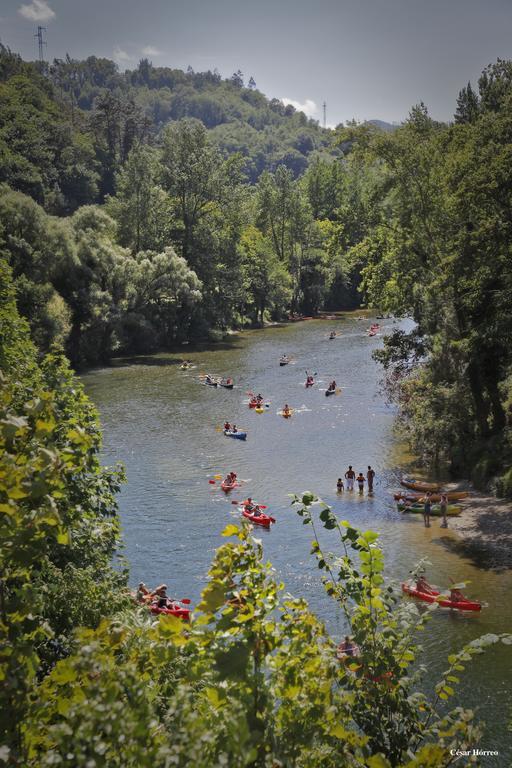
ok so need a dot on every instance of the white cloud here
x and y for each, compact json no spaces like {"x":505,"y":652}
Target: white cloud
{"x":120,"y":56}
{"x":150,"y":50}
{"x":37,"y":10}
{"x":308,"y":107}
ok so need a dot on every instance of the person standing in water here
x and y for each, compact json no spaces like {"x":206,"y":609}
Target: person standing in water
{"x":370,"y":475}
{"x":443,"y":506}
{"x":349,"y":477}
{"x":427,"y":508}
{"x":360,"y":481}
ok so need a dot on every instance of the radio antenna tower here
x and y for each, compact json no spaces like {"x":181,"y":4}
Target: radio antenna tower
{"x":41,"y":43}
{"x":324,"y":105}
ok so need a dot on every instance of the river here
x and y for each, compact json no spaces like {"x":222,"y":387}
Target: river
{"x":161,"y":423}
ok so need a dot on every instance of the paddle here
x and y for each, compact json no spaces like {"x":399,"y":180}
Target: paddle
{"x":261,"y":506}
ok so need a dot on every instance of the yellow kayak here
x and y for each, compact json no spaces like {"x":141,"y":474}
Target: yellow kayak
{"x":417,"y":485}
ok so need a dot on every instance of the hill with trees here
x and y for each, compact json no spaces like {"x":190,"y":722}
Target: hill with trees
{"x":147,"y":208}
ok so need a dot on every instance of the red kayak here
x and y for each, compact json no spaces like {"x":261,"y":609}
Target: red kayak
{"x":181,"y":613}
{"x":460,"y":605}
{"x":261,"y":519}
{"x":227,"y":487}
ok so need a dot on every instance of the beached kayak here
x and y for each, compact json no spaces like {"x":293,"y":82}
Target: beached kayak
{"x":237,"y":435}
{"x":261,"y":519}
{"x":227,"y":487}
{"x":460,"y":605}
{"x":419,"y":485}
{"x":182,"y":613}
{"x":419,"y":497}
{"x":452,"y":510}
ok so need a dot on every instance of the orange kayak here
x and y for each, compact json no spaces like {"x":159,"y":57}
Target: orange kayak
{"x":418,"y":485}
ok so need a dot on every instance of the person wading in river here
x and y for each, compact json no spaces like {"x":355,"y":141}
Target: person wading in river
{"x":443,"y":506}
{"x":350,"y":477}
{"x":370,"y":477}
{"x":427,"y":508}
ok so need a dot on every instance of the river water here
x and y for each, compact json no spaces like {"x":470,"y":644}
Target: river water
{"x":161,"y":423}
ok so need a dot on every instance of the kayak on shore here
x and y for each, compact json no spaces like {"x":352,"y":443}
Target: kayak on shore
{"x":419,"y":497}
{"x":452,"y":510}
{"x":238,"y":435}
{"x":419,"y":485}
{"x":434,"y":597}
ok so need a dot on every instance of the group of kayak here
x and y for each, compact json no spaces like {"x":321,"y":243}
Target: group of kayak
{"x":215,"y":381}
{"x":250,"y":509}
{"x":430,"y":499}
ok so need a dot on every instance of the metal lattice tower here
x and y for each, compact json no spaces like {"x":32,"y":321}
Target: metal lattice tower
{"x":41,"y":43}
{"x":324,"y":105}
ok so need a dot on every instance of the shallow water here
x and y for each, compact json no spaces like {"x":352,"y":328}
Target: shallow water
{"x":161,"y":423}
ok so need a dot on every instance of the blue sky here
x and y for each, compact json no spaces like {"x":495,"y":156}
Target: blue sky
{"x":365,"y":58}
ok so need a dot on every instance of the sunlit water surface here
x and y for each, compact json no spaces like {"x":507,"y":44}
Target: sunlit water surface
{"x":161,"y":423}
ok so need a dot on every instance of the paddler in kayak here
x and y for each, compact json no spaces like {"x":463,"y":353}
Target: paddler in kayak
{"x":287,"y":410}
{"x":143,"y":593}
{"x":347,"y":648}
{"x":309,"y":380}
{"x":332,"y":386}
{"x":227,"y":427}
{"x":332,"y":335}
{"x":422,"y":585}
{"x":456,"y":596}
{"x":249,"y":506}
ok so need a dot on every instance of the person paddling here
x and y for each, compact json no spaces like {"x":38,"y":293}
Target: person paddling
{"x":422,"y":585}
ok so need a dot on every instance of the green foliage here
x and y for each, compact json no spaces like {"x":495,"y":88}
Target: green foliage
{"x":440,"y":252}
{"x":58,"y":518}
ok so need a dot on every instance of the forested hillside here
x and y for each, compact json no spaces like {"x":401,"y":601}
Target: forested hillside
{"x":143,"y":209}
{"x":146,"y":208}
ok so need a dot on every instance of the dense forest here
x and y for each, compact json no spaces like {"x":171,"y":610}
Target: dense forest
{"x":143,"y":209}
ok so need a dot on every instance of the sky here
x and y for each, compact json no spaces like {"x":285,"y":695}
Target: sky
{"x":367,"y":59}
